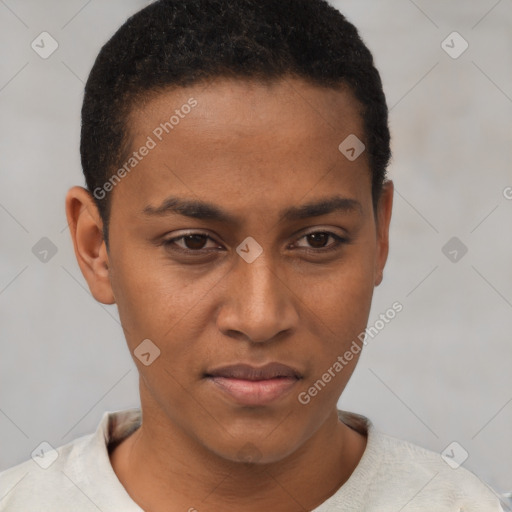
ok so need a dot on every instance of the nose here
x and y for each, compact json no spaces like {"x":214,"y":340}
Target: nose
{"x":258,"y":305}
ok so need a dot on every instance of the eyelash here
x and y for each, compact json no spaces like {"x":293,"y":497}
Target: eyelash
{"x":170,"y":243}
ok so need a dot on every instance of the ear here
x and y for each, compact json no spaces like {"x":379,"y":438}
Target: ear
{"x":86,"y":228}
{"x":383,"y":219}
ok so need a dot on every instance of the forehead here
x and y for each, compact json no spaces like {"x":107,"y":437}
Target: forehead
{"x":248,"y":104}
{"x":229,"y":137}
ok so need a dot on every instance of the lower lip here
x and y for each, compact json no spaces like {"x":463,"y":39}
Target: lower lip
{"x":258,"y":392}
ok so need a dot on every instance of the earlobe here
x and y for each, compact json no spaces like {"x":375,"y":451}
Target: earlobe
{"x":385,"y":206}
{"x":86,"y":228}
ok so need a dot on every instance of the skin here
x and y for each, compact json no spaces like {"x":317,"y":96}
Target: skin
{"x":252,"y":149}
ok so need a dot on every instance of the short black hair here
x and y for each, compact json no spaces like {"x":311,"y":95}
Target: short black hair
{"x":177,"y":43}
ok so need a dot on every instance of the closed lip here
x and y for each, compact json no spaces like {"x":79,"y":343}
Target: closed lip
{"x":244,"y":371}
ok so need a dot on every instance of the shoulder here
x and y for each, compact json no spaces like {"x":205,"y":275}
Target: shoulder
{"x":76,"y":476}
{"x":426,"y":477}
{"x":394,"y":473}
{"x":42,"y":480}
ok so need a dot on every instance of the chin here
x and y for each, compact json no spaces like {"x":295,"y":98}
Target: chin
{"x":252,"y":449}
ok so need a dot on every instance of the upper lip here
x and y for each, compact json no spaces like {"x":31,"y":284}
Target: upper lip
{"x":248,"y":372}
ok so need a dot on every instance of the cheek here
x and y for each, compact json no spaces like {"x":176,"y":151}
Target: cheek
{"x":336,"y":314}
{"x":162,"y":300}
{"x":341,"y":298}
{"x":156,"y":299}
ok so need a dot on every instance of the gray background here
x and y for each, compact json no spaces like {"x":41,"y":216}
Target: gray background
{"x":439,"y":372}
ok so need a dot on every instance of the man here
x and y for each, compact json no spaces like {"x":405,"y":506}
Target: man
{"x":237,"y":212}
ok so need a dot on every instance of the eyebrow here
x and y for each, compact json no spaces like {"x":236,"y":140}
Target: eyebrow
{"x":208,"y":211}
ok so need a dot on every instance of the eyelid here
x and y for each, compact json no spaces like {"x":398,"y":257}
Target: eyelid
{"x":320,"y":229}
{"x":171,"y":241}
{"x":339,"y":239}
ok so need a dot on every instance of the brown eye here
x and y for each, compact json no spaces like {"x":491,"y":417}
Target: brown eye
{"x":189,"y":243}
{"x":194,"y":242}
{"x":317,"y":241}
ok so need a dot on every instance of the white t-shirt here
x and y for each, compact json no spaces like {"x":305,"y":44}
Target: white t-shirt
{"x":393,"y":475}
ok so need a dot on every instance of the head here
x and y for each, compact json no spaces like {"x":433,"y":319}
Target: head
{"x":223,"y":214}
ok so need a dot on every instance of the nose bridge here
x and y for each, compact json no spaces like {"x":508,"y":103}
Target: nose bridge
{"x":258,"y":304}
{"x":260,"y":282}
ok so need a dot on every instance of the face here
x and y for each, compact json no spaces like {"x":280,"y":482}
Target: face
{"x":244,"y":245}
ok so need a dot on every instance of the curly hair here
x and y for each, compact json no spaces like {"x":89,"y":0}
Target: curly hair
{"x":177,"y":43}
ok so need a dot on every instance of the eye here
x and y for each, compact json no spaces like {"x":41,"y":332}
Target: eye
{"x":317,"y":241}
{"x":195,"y":242}
{"x":192,"y":242}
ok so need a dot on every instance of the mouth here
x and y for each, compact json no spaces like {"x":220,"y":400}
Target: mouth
{"x":249,"y":385}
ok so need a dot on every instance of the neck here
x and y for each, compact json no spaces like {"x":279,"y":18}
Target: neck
{"x":160,"y":464}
